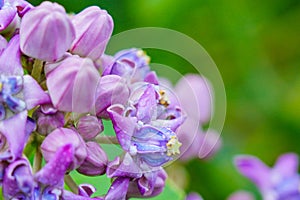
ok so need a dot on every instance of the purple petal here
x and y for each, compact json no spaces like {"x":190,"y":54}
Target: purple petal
{"x":124,"y":126}
{"x":126,"y":167}
{"x":111,"y":90}
{"x":286,"y":165}
{"x":254,"y":169}
{"x":152,"y":78}
{"x":53,"y":172}
{"x":118,"y":189}
{"x":147,"y":105}
{"x":14,"y":131}
{"x":86,"y":190}
{"x":17,"y":178}
{"x":95,"y":162}
{"x":33,"y":93}
{"x":10,"y":59}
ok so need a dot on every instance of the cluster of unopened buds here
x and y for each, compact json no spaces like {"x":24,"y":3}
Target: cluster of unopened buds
{"x":56,"y":88}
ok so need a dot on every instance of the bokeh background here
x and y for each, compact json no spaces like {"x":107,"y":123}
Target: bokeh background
{"x":255,"y":45}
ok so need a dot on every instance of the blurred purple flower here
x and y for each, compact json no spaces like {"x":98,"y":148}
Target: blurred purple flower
{"x":38,"y":28}
{"x":61,"y":137}
{"x":91,"y":40}
{"x":278,"y":183}
{"x":67,"y":82}
{"x":195,"y":96}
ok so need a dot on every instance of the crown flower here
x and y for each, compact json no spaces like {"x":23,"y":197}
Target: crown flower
{"x":65,"y":104}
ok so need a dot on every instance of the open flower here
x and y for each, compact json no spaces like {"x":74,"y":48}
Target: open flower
{"x":278,"y":183}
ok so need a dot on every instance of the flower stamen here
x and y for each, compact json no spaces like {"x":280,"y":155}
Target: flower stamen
{"x":173,"y":146}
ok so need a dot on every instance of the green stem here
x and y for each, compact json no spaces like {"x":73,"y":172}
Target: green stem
{"x":107,"y":140}
{"x":37,"y":162}
{"x":37,"y":70}
{"x":71,"y":183}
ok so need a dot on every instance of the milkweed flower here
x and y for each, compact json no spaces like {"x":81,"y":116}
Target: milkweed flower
{"x":93,"y":28}
{"x":278,"y":183}
{"x":141,"y":132}
{"x":38,"y":28}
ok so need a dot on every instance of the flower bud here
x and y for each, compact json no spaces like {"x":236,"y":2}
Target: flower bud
{"x":89,"y":127}
{"x":61,"y":137}
{"x":46,"y":32}
{"x":95,"y":162}
{"x":93,"y":28}
{"x":72,"y":84}
{"x":48,"y":119}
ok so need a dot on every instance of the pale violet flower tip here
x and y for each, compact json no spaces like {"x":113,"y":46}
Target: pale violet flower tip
{"x":194,"y":196}
{"x":89,"y":127}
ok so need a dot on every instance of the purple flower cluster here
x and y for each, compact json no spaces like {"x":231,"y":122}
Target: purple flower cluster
{"x":56,"y":87}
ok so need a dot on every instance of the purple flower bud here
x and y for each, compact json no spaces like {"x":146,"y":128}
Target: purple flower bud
{"x":89,"y":127}
{"x":72,"y":84}
{"x":111,"y":90}
{"x":61,"y":137}
{"x":38,"y":28}
{"x":95,"y":162}
{"x":48,"y":119}
{"x":93,"y":28}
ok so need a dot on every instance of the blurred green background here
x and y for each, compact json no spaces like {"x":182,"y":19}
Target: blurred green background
{"x":255,"y":45}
